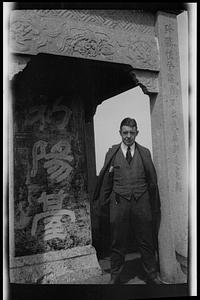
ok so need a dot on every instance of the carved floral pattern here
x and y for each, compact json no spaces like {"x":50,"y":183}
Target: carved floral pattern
{"x":142,"y":51}
{"x":60,"y":36}
{"x":86,"y":43}
{"x":21,"y":32}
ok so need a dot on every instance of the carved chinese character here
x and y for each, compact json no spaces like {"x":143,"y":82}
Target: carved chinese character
{"x":170,"y":77}
{"x":36,"y":114}
{"x":170,"y":66}
{"x":38,"y":152}
{"x":43,"y":115}
{"x":173,"y":90}
{"x":173,"y":113}
{"x":53,"y":228}
{"x":169,"y":54}
{"x":175,"y":149}
{"x":178,"y":186}
{"x":169,"y":28}
{"x":174,"y":136}
{"x":59,"y":159}
{"x":65,"y":120}
{"x":169,"y":42}
{"x":172,"y":101}
{"x":177,"y":172}
{"x":52,"y":201}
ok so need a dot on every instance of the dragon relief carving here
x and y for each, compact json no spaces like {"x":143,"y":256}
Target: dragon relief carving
{"x":21,"y":34}
{"x":26,"y":35}
{"x":85,"y":42}
{"x":56,"y":35}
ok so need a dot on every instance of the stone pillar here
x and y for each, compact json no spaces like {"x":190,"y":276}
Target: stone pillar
{"x":49,"y":196}
{"x":169,"y":155}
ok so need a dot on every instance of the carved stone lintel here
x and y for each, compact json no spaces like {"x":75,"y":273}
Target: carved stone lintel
{"x":131,"y":21}
{"x":126,"y":20}
{"x":148,"y":81}
{"x":31,"y":33}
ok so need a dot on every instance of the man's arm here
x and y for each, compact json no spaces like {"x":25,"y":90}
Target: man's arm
{"x":153,"y":185}
{"x":104,"y":182}
{"x":101,"y":179}
{"x":107,"y":184}
{"x":151,"y":169}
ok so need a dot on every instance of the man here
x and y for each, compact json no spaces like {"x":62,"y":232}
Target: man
{"x":127,"y":194}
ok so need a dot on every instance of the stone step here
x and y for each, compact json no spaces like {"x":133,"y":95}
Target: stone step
{"x":131,"y":274}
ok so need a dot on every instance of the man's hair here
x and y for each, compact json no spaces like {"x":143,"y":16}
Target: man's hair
{"x":128,"y":122}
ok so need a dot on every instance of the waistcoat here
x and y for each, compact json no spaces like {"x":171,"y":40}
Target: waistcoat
{"x":129,"y":180}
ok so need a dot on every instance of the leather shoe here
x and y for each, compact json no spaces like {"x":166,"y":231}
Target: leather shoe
{"x":115,"y":280}
{"x":154,"y":281}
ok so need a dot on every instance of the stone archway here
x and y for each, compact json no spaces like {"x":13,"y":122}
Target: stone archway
{"x":152,"y":53}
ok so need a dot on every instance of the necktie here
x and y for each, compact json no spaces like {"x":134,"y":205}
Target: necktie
{"x":128,"y":155}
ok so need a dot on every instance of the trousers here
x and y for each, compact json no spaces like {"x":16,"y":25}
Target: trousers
{"x":131,"y":217}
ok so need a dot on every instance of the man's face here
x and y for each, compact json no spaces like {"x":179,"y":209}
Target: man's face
{"x":128,"y":135}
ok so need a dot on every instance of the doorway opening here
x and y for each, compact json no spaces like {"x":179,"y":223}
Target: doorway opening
{"x":135,"y":104}
{"x":54,"y":100}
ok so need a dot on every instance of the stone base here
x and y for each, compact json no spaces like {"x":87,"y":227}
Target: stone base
{"x":74,"y":264}
{"x":179,"y":277}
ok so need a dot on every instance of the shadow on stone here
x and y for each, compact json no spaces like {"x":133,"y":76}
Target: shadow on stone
{"x":132,"y":272}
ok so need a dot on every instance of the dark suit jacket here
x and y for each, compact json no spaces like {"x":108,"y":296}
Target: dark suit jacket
{"x":100,"y":202}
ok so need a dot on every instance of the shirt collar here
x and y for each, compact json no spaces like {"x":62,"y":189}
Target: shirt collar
{"x":124,"y":147}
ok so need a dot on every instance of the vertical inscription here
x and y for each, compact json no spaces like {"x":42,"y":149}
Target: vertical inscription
{"x":51,"y":200}
{"x":174,"y":134}
{"x":171,"y":55}
{"x":43,"y":116}
{"x":52,"y":215}
{"x":58,"y":159}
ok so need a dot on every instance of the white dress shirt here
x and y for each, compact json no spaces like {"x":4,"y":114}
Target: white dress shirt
{"x":124,"y":149}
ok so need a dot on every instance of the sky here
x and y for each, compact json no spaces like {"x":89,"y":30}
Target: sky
{"x":132,"y":103}
{"x":135,"y":104}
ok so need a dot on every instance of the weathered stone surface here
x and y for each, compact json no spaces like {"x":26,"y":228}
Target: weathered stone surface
{"x":148,"y":81}
{"x":33,"y":32}
{"x":169,"y":152}
{"x":16,"y":65}
{"x":17,"y":262}
{"x":51,"y":202}
{"x":77,"y":264}
{"x":125,"y":20}
{"x":51,"y":211}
